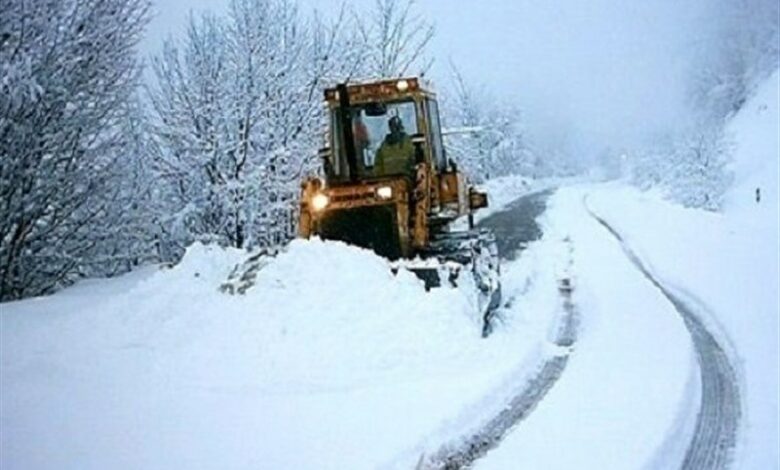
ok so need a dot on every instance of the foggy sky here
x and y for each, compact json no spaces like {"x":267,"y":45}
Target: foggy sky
{"x":595,"y":72}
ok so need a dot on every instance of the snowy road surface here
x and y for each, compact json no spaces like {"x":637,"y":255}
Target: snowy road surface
{"x":717,"y":421}
{"x":515,"y":227}
{"x":713,"y":437}
{"x":631,"y":378}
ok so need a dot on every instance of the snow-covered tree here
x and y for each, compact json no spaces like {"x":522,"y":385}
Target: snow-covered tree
{"x":129,"y":231}
{"x":699,"y":176}
{"x":738,"y":45}
{"x":239,"y":118}
{"x":492,"y":143}
{"x":691,"y":166}
{"x":67,"y":69}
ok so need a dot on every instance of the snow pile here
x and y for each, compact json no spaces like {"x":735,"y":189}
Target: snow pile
{"x":334,"y":314}
{"x":329,"y":361}
{"x":322,"y":315}
{"x":501,"y":191}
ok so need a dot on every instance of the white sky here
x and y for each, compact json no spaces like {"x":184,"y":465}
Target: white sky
{"x":606,"y":71}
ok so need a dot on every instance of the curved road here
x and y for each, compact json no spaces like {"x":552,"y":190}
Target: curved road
{"x":514,"y":227}
{"x":715,"y":434}
{"x":717,"y":422}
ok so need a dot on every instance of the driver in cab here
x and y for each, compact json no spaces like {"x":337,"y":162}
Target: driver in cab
{"x":396,"y":154}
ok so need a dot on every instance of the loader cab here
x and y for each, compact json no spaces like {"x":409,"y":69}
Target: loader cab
{"x":385,"y":172}
{"x":389,"y":127}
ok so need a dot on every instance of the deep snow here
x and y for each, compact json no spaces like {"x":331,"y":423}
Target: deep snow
{"x":330,"y":361}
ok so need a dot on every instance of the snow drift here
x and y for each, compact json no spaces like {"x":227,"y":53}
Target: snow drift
{"x":329,"y":361}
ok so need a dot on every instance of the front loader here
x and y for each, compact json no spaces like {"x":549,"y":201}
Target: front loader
{"x":388,"y":186}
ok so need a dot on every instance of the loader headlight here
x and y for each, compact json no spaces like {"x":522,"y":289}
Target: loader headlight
{"x":384,"y":192}
{"x":402,"y":85}
{"x":319,"y":202}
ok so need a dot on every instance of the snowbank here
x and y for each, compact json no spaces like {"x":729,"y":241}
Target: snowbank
{"x":501,"y":191}
{"x":329,"y":361}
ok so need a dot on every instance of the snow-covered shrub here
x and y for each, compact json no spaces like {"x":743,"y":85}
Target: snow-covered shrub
{"x":699,"y":177}
{"x":238,"y":118}
{"x":690,"y":167}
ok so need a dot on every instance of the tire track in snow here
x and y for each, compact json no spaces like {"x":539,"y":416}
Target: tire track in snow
{"x":715,"y":434}
{"x":516,"y":227}
{"x":520,"y":407}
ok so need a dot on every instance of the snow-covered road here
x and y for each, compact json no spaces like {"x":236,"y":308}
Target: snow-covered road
{"x":714,"y":439}
{"x":693,"y":424}
{"x":631,"y":378}
{"x":606,"y":376}
{"x":515,"y":227}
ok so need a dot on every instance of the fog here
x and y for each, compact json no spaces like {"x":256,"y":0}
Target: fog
{"x":587,"y":74}
{"x":611,"y":71}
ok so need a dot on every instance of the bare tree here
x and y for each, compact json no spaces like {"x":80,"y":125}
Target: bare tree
{"x":396,"y":38}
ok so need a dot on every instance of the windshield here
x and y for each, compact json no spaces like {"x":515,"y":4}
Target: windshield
{"x":382,"y":138}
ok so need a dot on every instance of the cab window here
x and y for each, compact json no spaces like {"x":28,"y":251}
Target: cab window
{"x":382,"y":138}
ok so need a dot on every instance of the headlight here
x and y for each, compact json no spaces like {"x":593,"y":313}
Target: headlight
{"x":384,"y":192}
{"x":319,"y":202}
{"x":402,"y":85}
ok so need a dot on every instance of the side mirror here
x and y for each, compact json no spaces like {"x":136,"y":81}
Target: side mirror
{"x":325,"y":155}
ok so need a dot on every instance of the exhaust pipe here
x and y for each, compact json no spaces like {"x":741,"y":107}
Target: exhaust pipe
{"x":346,"y":131}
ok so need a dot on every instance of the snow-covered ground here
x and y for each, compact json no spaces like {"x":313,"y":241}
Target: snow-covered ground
{"x":633,"y":370}
{"x":330,"y":361}
{"x":727,"y":261}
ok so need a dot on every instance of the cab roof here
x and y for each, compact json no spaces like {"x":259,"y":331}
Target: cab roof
{"x":381,"y":90}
